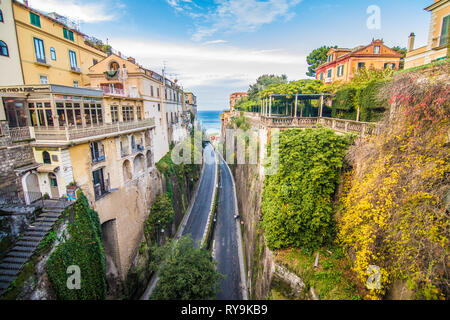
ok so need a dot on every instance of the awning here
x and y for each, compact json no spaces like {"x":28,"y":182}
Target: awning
{"x":27,"y":168}
{"x":48,"y":168}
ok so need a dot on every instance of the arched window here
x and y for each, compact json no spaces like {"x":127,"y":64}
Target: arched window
{"x":3,"y":49}
{"x":46,"y":157}
{"x":1,"y":16}
{"x":53,"y":53}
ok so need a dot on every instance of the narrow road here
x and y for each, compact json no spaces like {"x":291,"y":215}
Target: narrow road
{"x":198,"y":215}
{"x":196,"y":224}
{"x":226,"y":248}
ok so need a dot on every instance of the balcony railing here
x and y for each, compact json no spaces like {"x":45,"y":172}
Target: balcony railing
{"x":113,"y":91}
{"x":18,"y":134}
{"x":69,"y":134}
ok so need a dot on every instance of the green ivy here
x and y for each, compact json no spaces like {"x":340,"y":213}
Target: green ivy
{"x":297,"y":201}
{"x":83,"y":248}
{"x":161,"y":216}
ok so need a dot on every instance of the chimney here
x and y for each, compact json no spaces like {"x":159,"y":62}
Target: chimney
{"x":132,"y":60}
{"x":411,"y":39}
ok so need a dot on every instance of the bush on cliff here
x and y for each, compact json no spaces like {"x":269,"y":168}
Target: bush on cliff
{"x":297,"y":201}
{"x":186,"y":272}
{"x":396,"y":202}
{"x":83,"y":248}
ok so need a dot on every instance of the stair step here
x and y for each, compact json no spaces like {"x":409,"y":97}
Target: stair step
{"x":46,"y":219}
{"x":30,"y":244}
{"x":21,"y":254}
{"x":10,"y":266}
{"x":23,"y":249}
{"x":38,"y":228}
{"x":32,"y":239}
{"x":9,"y":272}
{"x":7,"y":279}
{"x":15,"y":260}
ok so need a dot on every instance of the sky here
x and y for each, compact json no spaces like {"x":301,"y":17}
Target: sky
{"x":218,"y":47}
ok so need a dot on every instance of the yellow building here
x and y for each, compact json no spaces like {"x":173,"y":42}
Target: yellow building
{"x":52,"y":50}
{"x":190,"y":101}
{"x":438,"y":36}
{"x":342,"y":64}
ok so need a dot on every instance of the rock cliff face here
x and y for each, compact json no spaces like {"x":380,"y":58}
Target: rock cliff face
{"x":259,"y":259}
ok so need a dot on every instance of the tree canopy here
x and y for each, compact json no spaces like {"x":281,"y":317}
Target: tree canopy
{"x":263,"y":82}
{"x":186,"y":272}
{"x":316,"y":58}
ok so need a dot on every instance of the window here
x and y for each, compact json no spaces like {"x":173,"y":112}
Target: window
{"x":321,"y":76}
{"x":376,"y":50}
{"x":127,"y":113}
{"x":389,"y":65}
{"x":35,"y":19}
{"x":39,"y":50}
{"x":94,"y":61}
{"x":138,"y":112}
{"x":329,"y":73}
{"x":151,"y":90}
{"x":1,"y":16}
{"x":444,"y":31}
{"x":76,"y":84}
{"x":43,"y":79}
{"x":73,"y":60}
{"x":99,"y":183}
{"x":330,"y":57}
{"x":340,"y":71}
{"x":68,"y":34}
{"x":159,"y":107}
{"x":3,"y":49}
{"x":97,"y":151}
{"x":53,"y":53}
{"x":114,"y":114}
{"x":46,"y":157}
{"x":361,"y":65}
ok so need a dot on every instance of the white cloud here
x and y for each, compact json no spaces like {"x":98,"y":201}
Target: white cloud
{"x":214,"y":42}
{"x":234,"y":15}
{"x":219,"y":69}
{"x":88,"y":12}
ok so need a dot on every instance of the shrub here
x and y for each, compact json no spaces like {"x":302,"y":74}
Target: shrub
{"x":297,"y":201}
{"x":83,"y":248}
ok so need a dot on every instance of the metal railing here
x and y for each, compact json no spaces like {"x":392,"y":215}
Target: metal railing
{"x":19,"y":133}
{"x":68,"y":133}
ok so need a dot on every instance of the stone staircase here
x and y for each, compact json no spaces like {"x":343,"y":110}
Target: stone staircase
{"x":14,"y":261}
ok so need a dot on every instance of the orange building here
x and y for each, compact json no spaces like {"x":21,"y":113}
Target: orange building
{"x":234,"y":98}
{"x":342,"y":64}
{"x":437,"y":46}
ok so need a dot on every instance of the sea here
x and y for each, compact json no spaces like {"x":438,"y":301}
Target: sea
{"x":210,"y":120}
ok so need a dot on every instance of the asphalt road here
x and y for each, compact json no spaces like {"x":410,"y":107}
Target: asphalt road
{"x":196,"y":224}
{"x":226,"y":248}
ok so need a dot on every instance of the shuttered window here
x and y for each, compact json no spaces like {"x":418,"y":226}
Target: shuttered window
{"x":445,"y":31}
{"x":35,"y":19}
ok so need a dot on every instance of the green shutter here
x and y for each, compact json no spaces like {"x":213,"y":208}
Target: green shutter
{"x":444,"y":32}
{"x":35,"y":20}
{"x":66,"y":35}
{"x":71,"y":35}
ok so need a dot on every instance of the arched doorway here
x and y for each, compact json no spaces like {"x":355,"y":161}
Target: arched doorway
{"x":31,"y":188}
{"x":53,"y":186}
{"x":110,"y":245}
{"x":138,"y":164}
{"x":46,"y":157}
{"x":126,"y":171}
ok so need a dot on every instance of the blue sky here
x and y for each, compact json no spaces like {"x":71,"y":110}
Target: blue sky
{"x":221,"y":46}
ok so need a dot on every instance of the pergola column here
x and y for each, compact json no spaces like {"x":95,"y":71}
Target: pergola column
{"x":270,"y":106}
{"x":321,"y":105}
{"x":296,"y":104}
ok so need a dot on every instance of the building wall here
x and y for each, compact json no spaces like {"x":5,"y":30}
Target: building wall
{"x":431,"y":51}
{"x":51,"y":32}
{"x":129,"y":201}
{"x":9,"y":65}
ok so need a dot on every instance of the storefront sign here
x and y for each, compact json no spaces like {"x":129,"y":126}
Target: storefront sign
{"x":24,"y":89}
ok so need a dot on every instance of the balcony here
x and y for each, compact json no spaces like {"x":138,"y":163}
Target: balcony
{"x":42,"y":62}
{"x":113,"y":91}
{"x":74,"y":135}
{"x":75,"y":69}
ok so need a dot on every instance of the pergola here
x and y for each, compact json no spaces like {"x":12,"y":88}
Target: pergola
{"x":293,"y":105}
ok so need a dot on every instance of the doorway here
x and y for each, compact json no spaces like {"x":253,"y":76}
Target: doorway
{"x":53,"y":186}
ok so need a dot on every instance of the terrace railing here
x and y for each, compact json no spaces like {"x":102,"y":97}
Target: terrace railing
{"x":69,"y":134}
